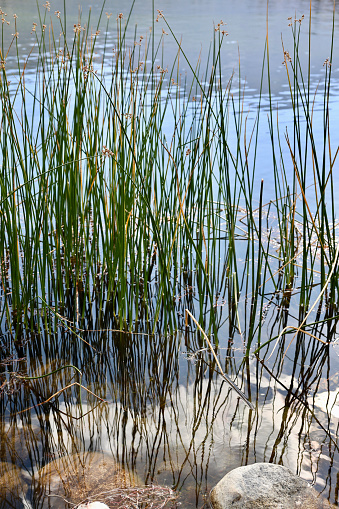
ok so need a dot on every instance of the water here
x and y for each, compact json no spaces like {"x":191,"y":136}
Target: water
{"x":167,"y":417}
{"x":192,"y":22}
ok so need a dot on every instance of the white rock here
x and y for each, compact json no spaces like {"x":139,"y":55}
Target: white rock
{"x":93,"y":505}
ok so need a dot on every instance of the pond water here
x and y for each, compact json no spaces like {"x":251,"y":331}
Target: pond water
{"x":192,"y":22}
{"x":152,"y":402}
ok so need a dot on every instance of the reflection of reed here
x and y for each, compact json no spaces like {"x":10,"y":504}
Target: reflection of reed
{"x":301,"y":437}
{"x":160,"y":416}
{"x":169,"y":419}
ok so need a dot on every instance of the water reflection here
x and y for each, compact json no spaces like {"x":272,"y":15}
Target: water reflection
{"x":168,"y":417}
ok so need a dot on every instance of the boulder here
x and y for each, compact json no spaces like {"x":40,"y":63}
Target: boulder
{"x":78,"y":477}
{"x":265,"y":485}
{"x":13,"y":485}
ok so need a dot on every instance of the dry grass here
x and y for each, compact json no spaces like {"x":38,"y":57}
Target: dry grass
{"x":152,"y":496}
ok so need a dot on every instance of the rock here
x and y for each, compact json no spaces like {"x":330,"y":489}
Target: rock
{"x":265,"y":485}
{"x":78,"y":477}
{"x":13,"y":486}
{"x":93,"y":505}
{"x":17,"y":443}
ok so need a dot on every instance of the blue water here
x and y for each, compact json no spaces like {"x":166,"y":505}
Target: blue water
{"x":193,"y":22}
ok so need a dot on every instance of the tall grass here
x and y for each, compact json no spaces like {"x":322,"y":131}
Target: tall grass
{"x":130,"y":193}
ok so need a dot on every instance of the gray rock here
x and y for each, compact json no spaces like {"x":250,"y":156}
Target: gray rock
{"x":265,"y":485}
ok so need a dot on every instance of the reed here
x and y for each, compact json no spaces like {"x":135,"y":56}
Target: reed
{"x":130,"y":193}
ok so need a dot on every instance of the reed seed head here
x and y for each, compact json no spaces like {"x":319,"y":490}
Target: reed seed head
{"x":106,"y":152}
{"x":287,"y":57}
{"x":219,"y":25}
{"x":160,"y":15}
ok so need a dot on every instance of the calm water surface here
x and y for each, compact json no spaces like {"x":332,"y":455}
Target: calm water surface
{"x":167,"y":416}
{"x":193,"y":21}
